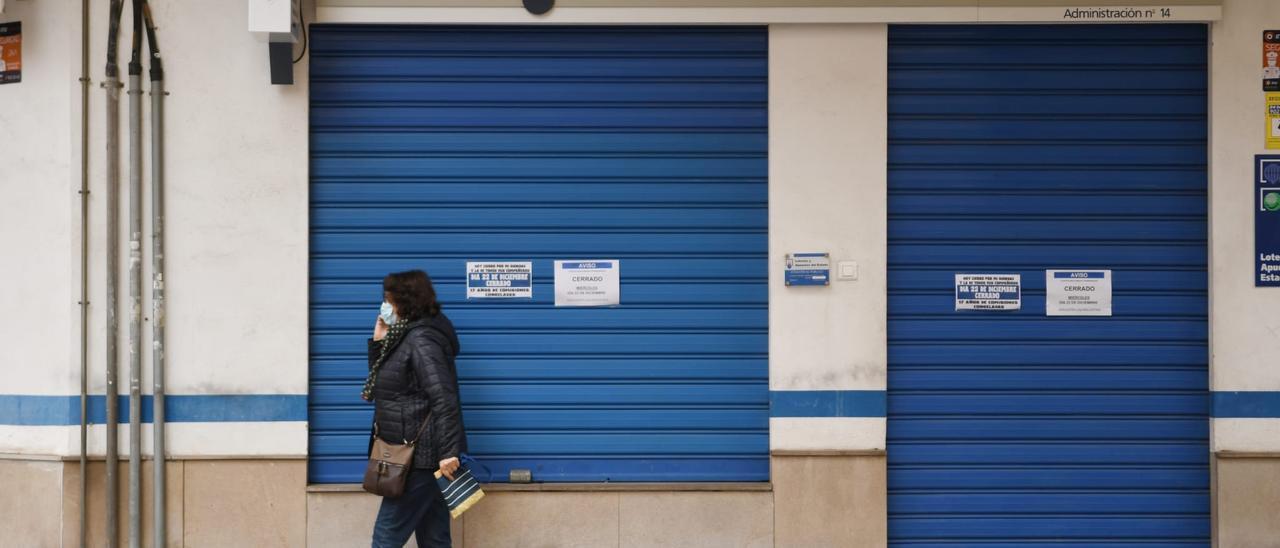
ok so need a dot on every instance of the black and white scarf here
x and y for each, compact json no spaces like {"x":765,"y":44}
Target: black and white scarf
{"x":394,"y":334}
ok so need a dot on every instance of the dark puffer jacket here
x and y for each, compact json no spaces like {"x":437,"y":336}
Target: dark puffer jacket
{"x":419,"y":380}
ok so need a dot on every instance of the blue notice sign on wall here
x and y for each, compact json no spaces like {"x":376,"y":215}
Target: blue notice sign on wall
{"x":1266,"y":220}
{"x":808,"y":269}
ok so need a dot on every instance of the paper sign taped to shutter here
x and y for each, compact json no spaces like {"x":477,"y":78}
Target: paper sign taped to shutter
{"x":988,"y":291}
{"x":1077,"y":292}
{"x":587,"y":283}
{"x":500,"y":280}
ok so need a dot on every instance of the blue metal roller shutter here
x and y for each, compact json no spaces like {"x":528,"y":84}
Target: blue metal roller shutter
{"x":1015,"y":149}
{"x":432,"y":146}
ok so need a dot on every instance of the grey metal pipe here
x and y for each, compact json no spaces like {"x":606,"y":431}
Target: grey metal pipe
{"x":135,"y":284}
{"x":113,"y":300}
{"x":157,"y":303}
{"x":135,"y":309}
{"x":157,"y":279}
{"x":112,"y":167}
{"x":84,"y":268}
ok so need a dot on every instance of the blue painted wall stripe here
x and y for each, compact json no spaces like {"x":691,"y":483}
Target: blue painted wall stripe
{"x":871,"y":403}
{"x":827,"y":403}
{"x":28,"y":410}
{"x":1246,"y":405}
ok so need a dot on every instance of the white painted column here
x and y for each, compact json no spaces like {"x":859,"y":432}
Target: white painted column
{"x":828,"y":148}
{"x":1244,"y":320}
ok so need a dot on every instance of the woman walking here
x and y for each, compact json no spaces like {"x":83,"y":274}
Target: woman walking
{"x":413,"y":384}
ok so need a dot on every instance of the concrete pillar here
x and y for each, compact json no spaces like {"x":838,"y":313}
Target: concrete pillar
{"x":827,"y":348}
{"x":1244,"y":320}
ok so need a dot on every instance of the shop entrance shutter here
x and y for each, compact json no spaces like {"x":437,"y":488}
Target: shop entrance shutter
{"x":434,"y":146}
{"x":1015,"y":149}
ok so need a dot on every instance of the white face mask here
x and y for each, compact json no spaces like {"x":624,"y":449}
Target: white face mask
{"x":388,"y":314}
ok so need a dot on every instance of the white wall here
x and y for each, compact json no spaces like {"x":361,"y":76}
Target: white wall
{"x":39,"y":178}
{"x":236,"y":229}
{"x":743,"y":12}
{"x":1245,"y":320}
{"x":827,"y":192}
{"x":237,"y":209}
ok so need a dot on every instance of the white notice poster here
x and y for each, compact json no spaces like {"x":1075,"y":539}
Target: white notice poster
{"x":587,"y":283}
{"x":988,"y":291}
{"x":500,"y":280}
{"x":1077,"y":292}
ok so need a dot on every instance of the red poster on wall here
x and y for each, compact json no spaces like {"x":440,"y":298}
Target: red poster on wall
{"x":10,"y":53}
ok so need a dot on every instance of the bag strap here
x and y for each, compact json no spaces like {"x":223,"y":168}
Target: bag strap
{"x":421,"y":430}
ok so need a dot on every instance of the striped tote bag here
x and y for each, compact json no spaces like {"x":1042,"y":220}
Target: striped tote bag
{"x":464,"y":491}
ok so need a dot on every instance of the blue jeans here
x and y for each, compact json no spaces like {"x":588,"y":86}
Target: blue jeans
{"x":421,"y":510}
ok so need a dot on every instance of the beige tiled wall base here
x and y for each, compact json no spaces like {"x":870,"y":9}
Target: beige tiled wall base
{"x":830,"y":501}
{"x":337,"y":520}
{"x":717,"y":519}
{"x":1248,"y":502}
{"x":538,"y":520}
{"x":343,"y":519}
{"x":245,"y":503}
{"x":209,"y":503}
{"x":630,"y":519}
{"x":30,"y":503}
{"x":816,"y":501}
{"x":97,"y":510}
